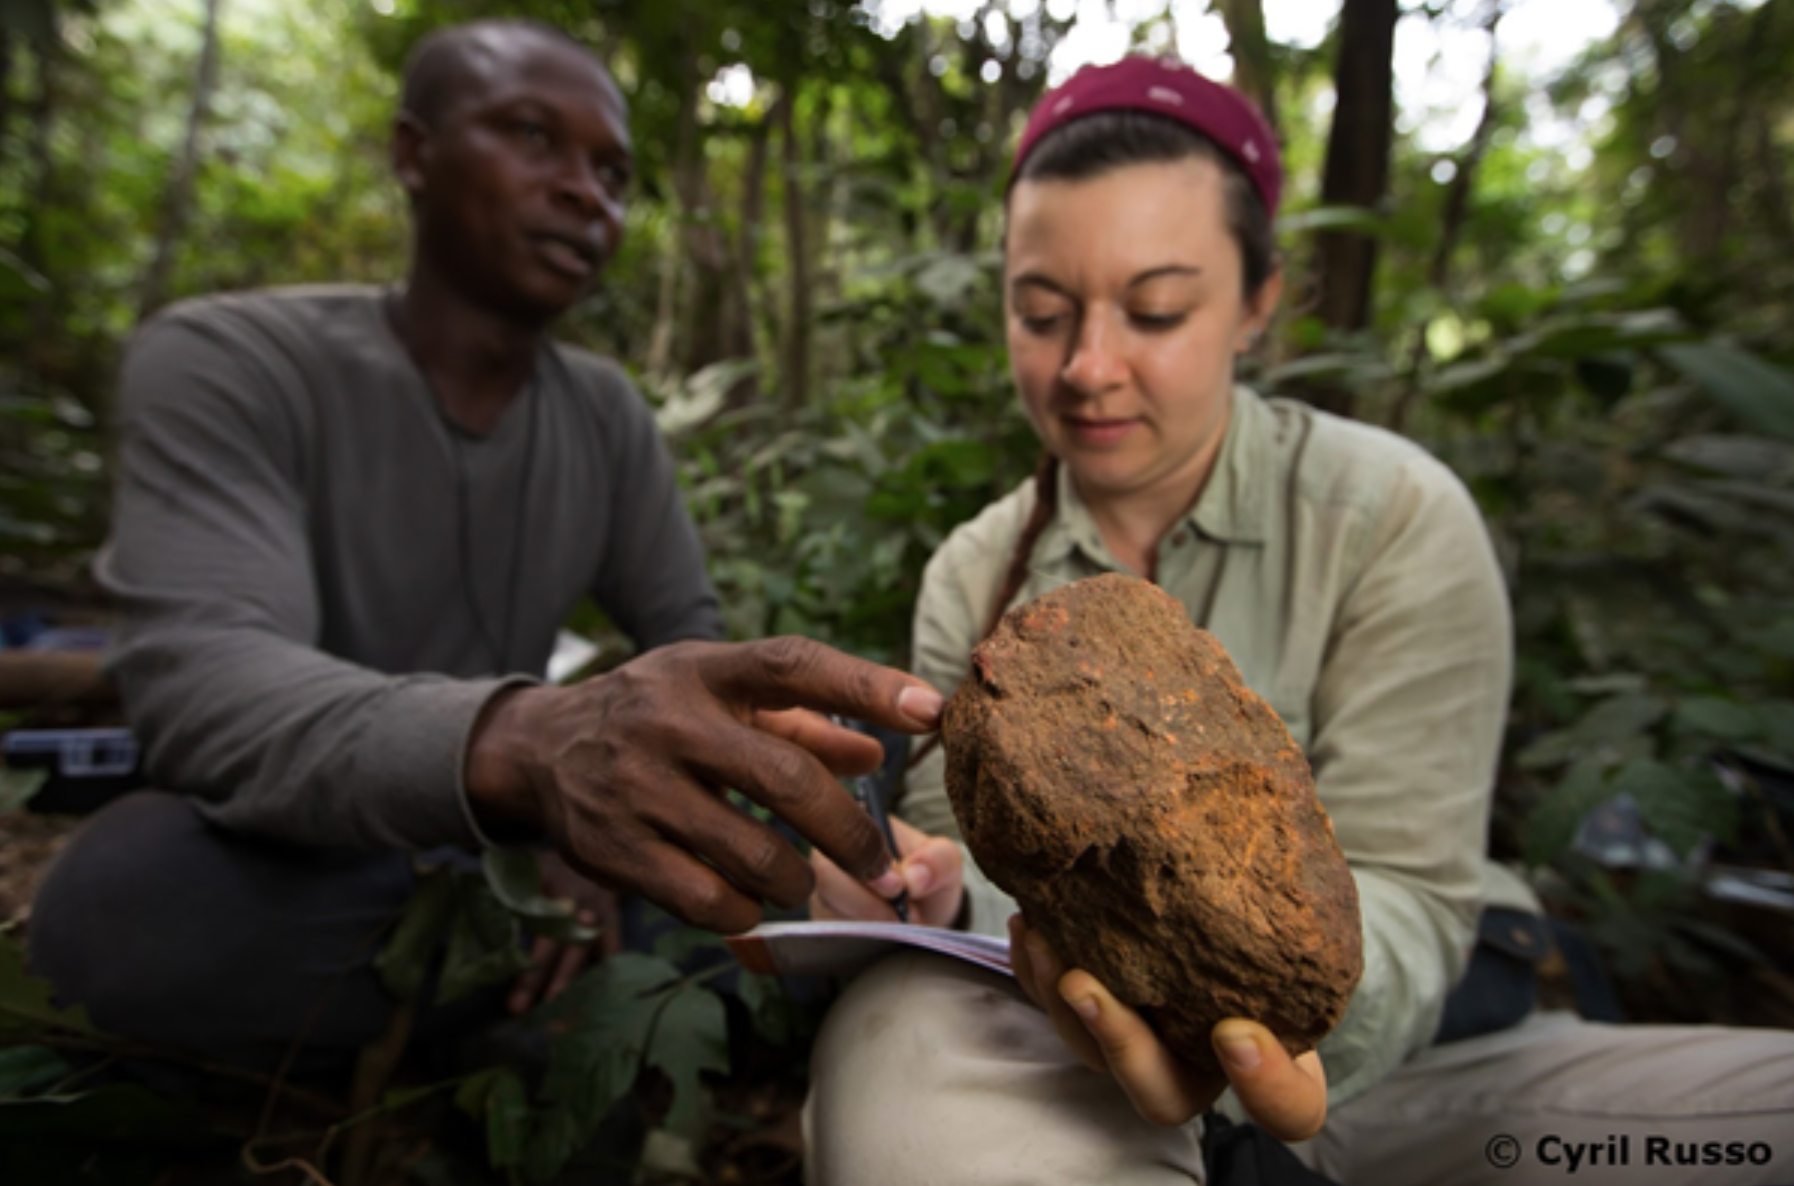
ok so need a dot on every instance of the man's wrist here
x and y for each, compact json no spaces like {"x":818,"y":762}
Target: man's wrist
{"x":498,"y":779}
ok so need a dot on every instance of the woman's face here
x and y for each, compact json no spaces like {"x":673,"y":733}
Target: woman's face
{"x":1124,"y":312}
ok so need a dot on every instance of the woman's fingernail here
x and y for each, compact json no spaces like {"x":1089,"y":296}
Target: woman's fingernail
{"x":1085,"y":1007}
{"x":888,"y":884}
{"x":919,"y":878}
{"x":1239,"y":1052}
{"x":922,"y":705}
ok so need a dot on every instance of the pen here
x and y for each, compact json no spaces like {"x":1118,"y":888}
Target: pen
{"x":865,"y":790}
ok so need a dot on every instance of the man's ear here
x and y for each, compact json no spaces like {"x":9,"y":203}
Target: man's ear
{"x":410,"y":152}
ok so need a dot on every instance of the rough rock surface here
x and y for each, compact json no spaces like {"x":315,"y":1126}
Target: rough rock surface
{"x":1152,"y":816}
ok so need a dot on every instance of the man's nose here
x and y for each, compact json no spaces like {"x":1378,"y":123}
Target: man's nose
{"x":582,"y":184}
{"x":1095,"y":363}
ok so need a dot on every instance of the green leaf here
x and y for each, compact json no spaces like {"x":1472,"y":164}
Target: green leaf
{"x":476,"y":1091}
{"x":554,"y":1141}
{"x":604,"y":1020}
{"x":1776,"y":718}
{"x":485,"y":943}
{"x":1759,"y":394}
{"x":1681,"y":807}
{"x":1603,"y":685}
{"x":1355,"y":219}
{"x":25,"y":1006}
{"x":1553,"y":749}
{"x":1735,"y":456}
{"x":957,"y":463}
{"x":947,"y":279}
{"x":18,"y":281}
{"x":690,"y":1037}
{"x":18,"y":786}
{"x":515,"y":877}
{"x":1621,"y":717}
{"x":1722,"y":719}
{"x":506,"y":1105}
{"x":1614,"y":724}
{"x":1552,"y":825}
{"x":405,"y":960}
{"x":26,"y":1068}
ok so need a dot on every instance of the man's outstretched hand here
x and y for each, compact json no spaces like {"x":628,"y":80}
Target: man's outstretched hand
{"x":624,"y":774}
{"x":1286,"y":1097}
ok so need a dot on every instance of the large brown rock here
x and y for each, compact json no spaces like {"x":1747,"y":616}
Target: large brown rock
{"x":1152,"y":816}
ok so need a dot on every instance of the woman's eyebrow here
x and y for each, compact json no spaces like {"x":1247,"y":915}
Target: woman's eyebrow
{"x":1039,"y":280}
{"x":1168,"y":270}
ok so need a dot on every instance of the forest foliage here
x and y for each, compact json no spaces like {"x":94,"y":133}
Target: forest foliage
{"x":1597,"y":336}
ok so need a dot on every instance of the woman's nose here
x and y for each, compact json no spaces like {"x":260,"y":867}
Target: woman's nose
{"x":1095,"y":363}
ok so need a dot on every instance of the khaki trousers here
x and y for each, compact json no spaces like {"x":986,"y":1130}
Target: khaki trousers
{"x":929,"y":1071}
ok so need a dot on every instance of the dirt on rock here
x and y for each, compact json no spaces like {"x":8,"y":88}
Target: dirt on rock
{"x":1152,"y":816}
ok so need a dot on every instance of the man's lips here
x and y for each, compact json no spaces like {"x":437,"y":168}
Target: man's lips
{"x":575,"y":255}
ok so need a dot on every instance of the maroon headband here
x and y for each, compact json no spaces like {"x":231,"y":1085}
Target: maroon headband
{"x":1166,"y":87}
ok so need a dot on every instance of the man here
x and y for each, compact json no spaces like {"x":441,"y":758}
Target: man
{"x":348,"y":524}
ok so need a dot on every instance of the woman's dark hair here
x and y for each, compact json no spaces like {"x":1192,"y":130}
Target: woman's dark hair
{"x":1104,"y":141}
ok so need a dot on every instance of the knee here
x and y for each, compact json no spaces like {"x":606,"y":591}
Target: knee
{"x":94,"y":908}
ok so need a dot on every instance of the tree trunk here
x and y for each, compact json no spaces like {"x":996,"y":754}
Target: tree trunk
{"x":1356,"y":173}
{"x":744,"y":297}
{"x":5,"y":89}
{"x":1451,"y":224}
{"x":1357,"y":169}
{"x":795,"y":371}
{"x":707,"y":337}
{"x":1251,"y":50}
{"x":177,"y":201}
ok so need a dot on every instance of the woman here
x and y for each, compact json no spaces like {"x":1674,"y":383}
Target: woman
{"x":1349,"y":576}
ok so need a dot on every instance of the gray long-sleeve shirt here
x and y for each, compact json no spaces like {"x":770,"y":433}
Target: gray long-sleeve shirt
{"x":323,"y":580}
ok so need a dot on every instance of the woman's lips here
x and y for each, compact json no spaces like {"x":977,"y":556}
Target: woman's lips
{"x":1099,"y":434}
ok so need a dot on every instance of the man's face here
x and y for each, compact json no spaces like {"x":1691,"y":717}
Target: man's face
{"x":519,"y":180}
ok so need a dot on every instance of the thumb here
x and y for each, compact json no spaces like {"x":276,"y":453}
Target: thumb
{"x":1286,"y":1096}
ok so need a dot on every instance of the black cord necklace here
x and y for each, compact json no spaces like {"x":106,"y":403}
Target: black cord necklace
{"x":498,"y":643}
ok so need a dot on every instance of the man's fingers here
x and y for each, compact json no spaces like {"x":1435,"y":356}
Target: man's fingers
{"x":793,"y":785}
{"x":573,"y":958}
{"x":670,"y":877}
{"x":1164,"y":1089}
{"x":795,"y":672}
{"x":750,"y":854}
{"x":528,"y":984}
{"x":1287,"y":1097}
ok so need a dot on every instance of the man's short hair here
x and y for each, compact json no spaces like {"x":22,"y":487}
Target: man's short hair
{"x":439,"y":60}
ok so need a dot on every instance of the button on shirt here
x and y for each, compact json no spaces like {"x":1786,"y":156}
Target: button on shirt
{"x":1349,"y":576}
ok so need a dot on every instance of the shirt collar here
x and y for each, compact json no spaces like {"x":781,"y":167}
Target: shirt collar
{"x":1230,"y":509}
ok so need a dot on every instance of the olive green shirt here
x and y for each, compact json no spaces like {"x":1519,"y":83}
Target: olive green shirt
{"x":1350,"y":577}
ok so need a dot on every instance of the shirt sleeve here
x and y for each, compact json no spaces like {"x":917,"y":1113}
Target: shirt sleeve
{"x":217,"y":657}
{"x":958,"y":586}
{"x":1408,"y":716}
{"x":653,"y":583}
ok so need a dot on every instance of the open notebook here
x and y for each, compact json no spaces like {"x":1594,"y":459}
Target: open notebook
{"x":838,"y":948}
